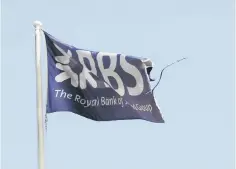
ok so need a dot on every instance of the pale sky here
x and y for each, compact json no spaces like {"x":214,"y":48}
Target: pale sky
{"x":196,"y":96}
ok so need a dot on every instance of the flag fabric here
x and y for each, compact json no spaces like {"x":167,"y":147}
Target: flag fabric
{"x":100,"y":86}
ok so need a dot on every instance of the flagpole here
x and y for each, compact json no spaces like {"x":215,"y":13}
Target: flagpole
{"x":40,"y":126}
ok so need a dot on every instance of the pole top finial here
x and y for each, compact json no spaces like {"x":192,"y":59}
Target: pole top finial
{"x":37,"y":24}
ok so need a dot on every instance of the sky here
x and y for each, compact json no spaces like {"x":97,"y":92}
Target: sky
{"x":196,"y":96}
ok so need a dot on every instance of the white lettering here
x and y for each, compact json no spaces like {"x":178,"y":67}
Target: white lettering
{"x":110,"y":71}
{"x":77,"y":97}
{"x":62,"y":94}
{"x":133,"y":71}
{"x":57,"y":92}
{"x":69,"y":96}
{"x":85,"y":74}
{"x":142,"y":107}
{"x":85,"y":102}
{"x":103,"y":102}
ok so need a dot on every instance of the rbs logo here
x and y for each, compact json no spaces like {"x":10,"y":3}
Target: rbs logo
{"x":81,"y":79}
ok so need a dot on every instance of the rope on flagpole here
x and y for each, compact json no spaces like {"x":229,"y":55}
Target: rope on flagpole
{"x":163,"y":71}
{"x":152,"y":91}
{"x":46,"y":83}
{"x":46,"y":122}
{"x":40,"y":125}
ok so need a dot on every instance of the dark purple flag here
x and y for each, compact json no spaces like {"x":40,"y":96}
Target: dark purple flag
{"x":98,"y":85}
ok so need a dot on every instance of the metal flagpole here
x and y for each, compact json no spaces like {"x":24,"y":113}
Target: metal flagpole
{"x":40,"y":125}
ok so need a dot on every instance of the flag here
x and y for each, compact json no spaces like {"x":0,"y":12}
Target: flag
{"x":100,"y":86}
